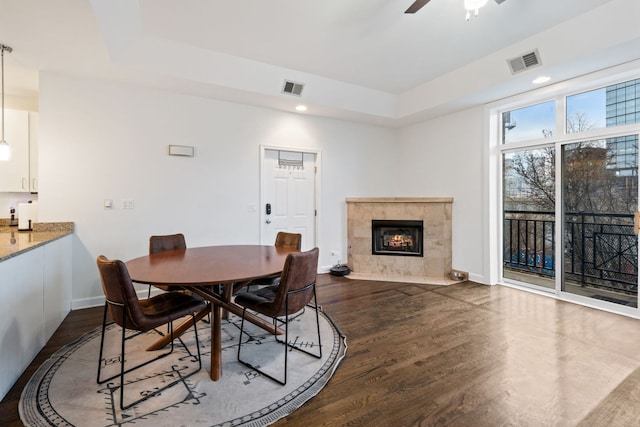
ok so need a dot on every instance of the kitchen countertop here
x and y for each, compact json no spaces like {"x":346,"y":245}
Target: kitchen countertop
{"x":14,"y":242}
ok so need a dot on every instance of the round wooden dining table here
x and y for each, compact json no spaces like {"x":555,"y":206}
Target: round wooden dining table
{"x":200,"y":270}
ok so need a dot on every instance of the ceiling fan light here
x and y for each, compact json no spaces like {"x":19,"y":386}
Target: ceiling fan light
{"x":474,"y":5}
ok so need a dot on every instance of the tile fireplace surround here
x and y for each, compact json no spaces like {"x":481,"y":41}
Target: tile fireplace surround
{"x":432,"y":268}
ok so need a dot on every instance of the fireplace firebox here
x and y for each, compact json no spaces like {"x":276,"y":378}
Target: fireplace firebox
{"x":396,"y":237}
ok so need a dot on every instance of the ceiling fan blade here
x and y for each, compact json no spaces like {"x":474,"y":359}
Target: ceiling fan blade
{"x":416,"y":6}
{"x":500,"y":1}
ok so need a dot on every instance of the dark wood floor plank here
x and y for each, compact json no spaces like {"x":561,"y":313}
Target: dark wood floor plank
{"x":459,"y":355}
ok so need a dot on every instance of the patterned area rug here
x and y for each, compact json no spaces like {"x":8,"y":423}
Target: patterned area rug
{"x":63,"y":392}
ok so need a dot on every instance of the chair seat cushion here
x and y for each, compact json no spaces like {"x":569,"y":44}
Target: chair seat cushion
{"x":257,"y":298}
{"x":266,"y":281}
{"x":169,"y":306}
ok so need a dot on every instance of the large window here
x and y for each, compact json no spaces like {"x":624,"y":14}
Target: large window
{"x":568,"y":200}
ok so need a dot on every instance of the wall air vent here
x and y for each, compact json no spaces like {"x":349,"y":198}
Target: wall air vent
{"x":292,"y":88}
{"x":524,"y":62}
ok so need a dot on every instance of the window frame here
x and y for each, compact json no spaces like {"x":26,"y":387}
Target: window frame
{"x":495,"y":149}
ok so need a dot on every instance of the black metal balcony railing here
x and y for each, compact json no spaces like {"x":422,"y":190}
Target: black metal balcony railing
{"x":600,"y":250}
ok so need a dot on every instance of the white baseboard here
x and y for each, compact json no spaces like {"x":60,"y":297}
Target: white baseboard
{"x":324,"y":269}
{"x":79,"y":304}
{"x":478,"y":278}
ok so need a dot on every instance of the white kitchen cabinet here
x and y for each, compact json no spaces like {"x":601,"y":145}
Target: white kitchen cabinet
{"x":57,"y":280}
{"x":14,"y":174}
{"x":34,"y":125}
{"x":35,"y":297}
{"x":21,"y":302}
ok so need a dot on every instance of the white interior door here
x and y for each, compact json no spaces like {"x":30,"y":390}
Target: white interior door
{"x":288,"y":196}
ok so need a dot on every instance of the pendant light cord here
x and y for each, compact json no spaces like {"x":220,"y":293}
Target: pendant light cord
{"x":3,"y":48}
{"x":2,"y":65}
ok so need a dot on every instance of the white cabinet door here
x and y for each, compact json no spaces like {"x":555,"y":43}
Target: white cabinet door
{"x":14,"y":174}
{"x":21,"y":302}
{"x":57,"y":284}
{"x":34,"y":125}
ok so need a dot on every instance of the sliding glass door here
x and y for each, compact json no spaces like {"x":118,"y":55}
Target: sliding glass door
{"x":570,"y":195}
{"x":599,"y":199}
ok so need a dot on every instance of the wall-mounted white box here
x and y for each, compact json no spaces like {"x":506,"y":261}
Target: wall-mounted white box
{"x":181,"y":150}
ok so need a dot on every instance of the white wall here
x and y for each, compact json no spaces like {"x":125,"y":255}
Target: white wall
{"x":444,"y":157}
{"x":109,"y":141}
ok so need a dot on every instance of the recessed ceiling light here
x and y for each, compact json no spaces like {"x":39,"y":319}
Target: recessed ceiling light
{"x":301,"y":107}
{"x":541,"y":79}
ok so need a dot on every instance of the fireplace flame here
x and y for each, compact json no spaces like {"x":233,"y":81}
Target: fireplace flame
{"x":400,"y":240}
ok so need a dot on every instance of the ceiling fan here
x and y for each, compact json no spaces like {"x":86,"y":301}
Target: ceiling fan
{"x":469,"y":5}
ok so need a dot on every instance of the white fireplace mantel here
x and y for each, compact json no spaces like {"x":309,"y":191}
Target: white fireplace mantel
{"x":432,"y":268}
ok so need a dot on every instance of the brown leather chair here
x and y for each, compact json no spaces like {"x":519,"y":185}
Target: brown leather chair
{"x":161,"y":243}
{"x":130,"y":313}
{"x":288,"y":240}
{"x":283,"y":240}
{"x":295,"y":291}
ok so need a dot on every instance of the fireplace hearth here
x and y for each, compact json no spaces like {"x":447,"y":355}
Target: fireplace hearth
{"x":396,"y":237}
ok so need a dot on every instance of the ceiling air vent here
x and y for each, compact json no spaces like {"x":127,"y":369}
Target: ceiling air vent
{"x":292,"y":88}
{"x":524,"y":62}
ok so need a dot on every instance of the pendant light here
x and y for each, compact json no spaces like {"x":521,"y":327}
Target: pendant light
{"x":5,"y":149}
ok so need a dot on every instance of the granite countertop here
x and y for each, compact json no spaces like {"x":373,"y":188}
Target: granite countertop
{"x":14,"y":242}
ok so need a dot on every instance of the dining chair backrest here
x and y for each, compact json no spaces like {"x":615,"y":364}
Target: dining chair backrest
{"x":300,"y":270}
{"x":288,"y":240}
{"x":167,"y":242}
{"x":120,"y":293}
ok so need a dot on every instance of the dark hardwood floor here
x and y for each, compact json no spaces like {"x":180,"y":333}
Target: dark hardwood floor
{"x":460,"y":355}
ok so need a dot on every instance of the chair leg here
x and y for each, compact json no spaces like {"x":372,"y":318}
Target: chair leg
{"x":122,"y":406}
{"x":315,"y":307}
{"x":286,"y":340}
{"x":123,"y":372}
{"x":124,"y":338}
{"x":158,"y":391}
{"x":195,"y":331}
{"x":241,"y":330}
{"x":104,"y":321}
{"x":250,"y":366}
{"x":315,"y":302}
